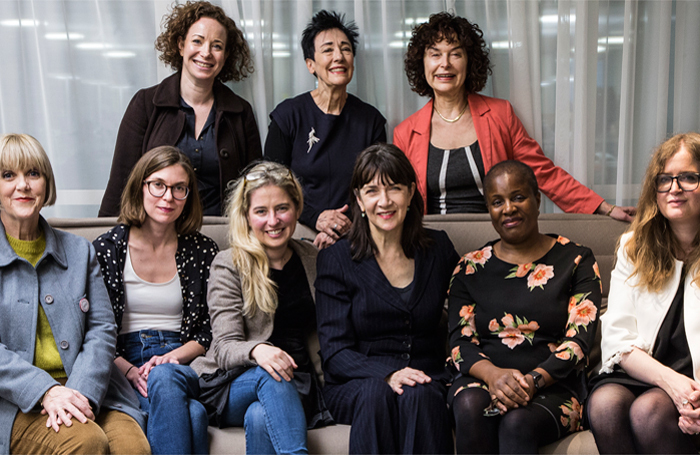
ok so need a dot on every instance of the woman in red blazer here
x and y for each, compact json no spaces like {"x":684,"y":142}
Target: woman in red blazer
{"x":451,"y":151}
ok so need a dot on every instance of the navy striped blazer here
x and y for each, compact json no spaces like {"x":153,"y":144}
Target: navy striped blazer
{"x":365,"y":329}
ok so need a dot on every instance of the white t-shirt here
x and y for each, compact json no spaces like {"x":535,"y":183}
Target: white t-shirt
{"x":154,"y":306}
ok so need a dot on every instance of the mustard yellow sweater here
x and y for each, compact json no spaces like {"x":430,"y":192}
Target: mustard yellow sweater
{"x":46,"y":354}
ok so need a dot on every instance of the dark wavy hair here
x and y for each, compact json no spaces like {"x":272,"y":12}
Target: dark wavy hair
{"x":454,"y":29}
{"x":327,"y":20}
{"x":391,"y":165}
{"x":238,"y":64}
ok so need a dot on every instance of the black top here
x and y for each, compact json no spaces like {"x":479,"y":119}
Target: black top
{"x":671,"y":346}
{"x":154,"y":117}
{"x":450,"y":180}
{"x":203,"y":154}
{"x":295,"y":319}
{"x":405,"y":293}
{"x":321,"y":148}
{"x":523,"y":316}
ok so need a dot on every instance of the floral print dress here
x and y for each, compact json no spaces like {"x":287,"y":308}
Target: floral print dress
{"x":523,"y":316}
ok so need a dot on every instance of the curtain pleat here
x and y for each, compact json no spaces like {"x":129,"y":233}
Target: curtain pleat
{"x":598,"y":83}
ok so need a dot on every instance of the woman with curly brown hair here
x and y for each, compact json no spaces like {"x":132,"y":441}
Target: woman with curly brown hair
{"x":192,"y":109}
{"x":448,"y":61}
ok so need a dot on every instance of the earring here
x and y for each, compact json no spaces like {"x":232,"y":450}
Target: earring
{"x":408,"y":209}
{"x":363,"y":215}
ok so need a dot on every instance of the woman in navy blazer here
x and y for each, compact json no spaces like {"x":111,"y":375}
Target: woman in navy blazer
{"x":379,"y":299}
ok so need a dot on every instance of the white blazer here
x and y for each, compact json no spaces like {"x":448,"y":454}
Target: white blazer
{"x":635,"y":314}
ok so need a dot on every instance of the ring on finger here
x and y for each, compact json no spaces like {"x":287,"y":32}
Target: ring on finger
{"x":684,"y":402}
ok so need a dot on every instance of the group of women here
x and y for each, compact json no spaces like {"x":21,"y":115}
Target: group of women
{"x":452,"y":142}
{"x":153,"y":328}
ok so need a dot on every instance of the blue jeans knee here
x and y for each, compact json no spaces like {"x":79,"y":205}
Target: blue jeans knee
{"x":257,"y":437}
{"x":281,"y":408}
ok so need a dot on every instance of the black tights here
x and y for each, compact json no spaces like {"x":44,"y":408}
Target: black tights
{"x":623,"y":421}
{"x":520,"y":430}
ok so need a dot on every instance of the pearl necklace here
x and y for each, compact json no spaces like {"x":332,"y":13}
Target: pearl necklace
{"x":452,"y":120}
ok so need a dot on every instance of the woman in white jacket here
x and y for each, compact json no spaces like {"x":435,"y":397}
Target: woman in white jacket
{"x":647,"y":396}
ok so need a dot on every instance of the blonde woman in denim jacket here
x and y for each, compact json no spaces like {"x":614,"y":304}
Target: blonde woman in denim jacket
{"x":59,"y":391}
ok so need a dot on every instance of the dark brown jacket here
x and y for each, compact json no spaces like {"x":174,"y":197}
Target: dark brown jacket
{"x":154,"y":118}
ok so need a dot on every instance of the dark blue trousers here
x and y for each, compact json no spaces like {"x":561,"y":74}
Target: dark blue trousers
{"x":384,"y":422}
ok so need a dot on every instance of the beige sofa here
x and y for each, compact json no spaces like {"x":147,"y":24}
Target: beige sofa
{"x":468,"y":232}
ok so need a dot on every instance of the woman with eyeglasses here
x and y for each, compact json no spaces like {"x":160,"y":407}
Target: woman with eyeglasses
{"x":262,"y":310}
{"x":647,"y":396}
{"x":155,"y":266}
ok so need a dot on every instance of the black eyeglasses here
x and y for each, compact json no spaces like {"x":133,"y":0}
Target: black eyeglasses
{"x":687,"y":181}
{"x":158,"y":189}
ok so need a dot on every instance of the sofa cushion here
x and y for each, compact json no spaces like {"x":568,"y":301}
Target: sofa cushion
{"x":581,"y":442}
{"x":467,"y":232}
{"x":333,"y":439}
{"x":599,"y":233}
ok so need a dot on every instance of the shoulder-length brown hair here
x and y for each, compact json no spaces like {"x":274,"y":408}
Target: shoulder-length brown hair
{"x":238,"y":64}
{"x":132,"y":211}
{"x":390,"y":164}
{"x":454,"y":29}
{"x":653,"y":248}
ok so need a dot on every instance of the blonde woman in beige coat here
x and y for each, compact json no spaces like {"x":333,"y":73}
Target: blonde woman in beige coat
{"x":262,"y":311}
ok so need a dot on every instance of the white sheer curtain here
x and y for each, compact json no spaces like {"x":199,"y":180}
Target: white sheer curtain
{"x":599,"y":83}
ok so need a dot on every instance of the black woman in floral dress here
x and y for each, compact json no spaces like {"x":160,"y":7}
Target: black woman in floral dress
{"x":523,"y":313}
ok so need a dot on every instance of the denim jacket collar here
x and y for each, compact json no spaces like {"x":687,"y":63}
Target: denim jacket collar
{"x":53,"y":247}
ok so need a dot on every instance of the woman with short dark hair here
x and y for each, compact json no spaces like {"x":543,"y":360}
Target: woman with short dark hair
{"x":379,"y":299}
{"x":459,"y":135}
{"x":156,"y":266}
{"x":192,"y":109}
{"x":523,"y":313}
{"x":319,"y":134}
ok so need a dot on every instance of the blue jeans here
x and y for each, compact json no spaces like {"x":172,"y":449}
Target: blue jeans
{"x":177,"y":422}
{"x":270,"y":411}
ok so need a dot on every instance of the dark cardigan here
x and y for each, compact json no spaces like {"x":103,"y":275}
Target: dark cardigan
{"x":153,"y":118}
{"x":195,"y":253}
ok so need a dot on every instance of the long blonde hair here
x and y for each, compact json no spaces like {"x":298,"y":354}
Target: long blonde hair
{"x":249,"y":257}
{"x":653,"y":247}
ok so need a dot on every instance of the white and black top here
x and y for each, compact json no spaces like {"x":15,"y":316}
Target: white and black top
{"x":454,"y":180}
{"x":194,"y":255}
